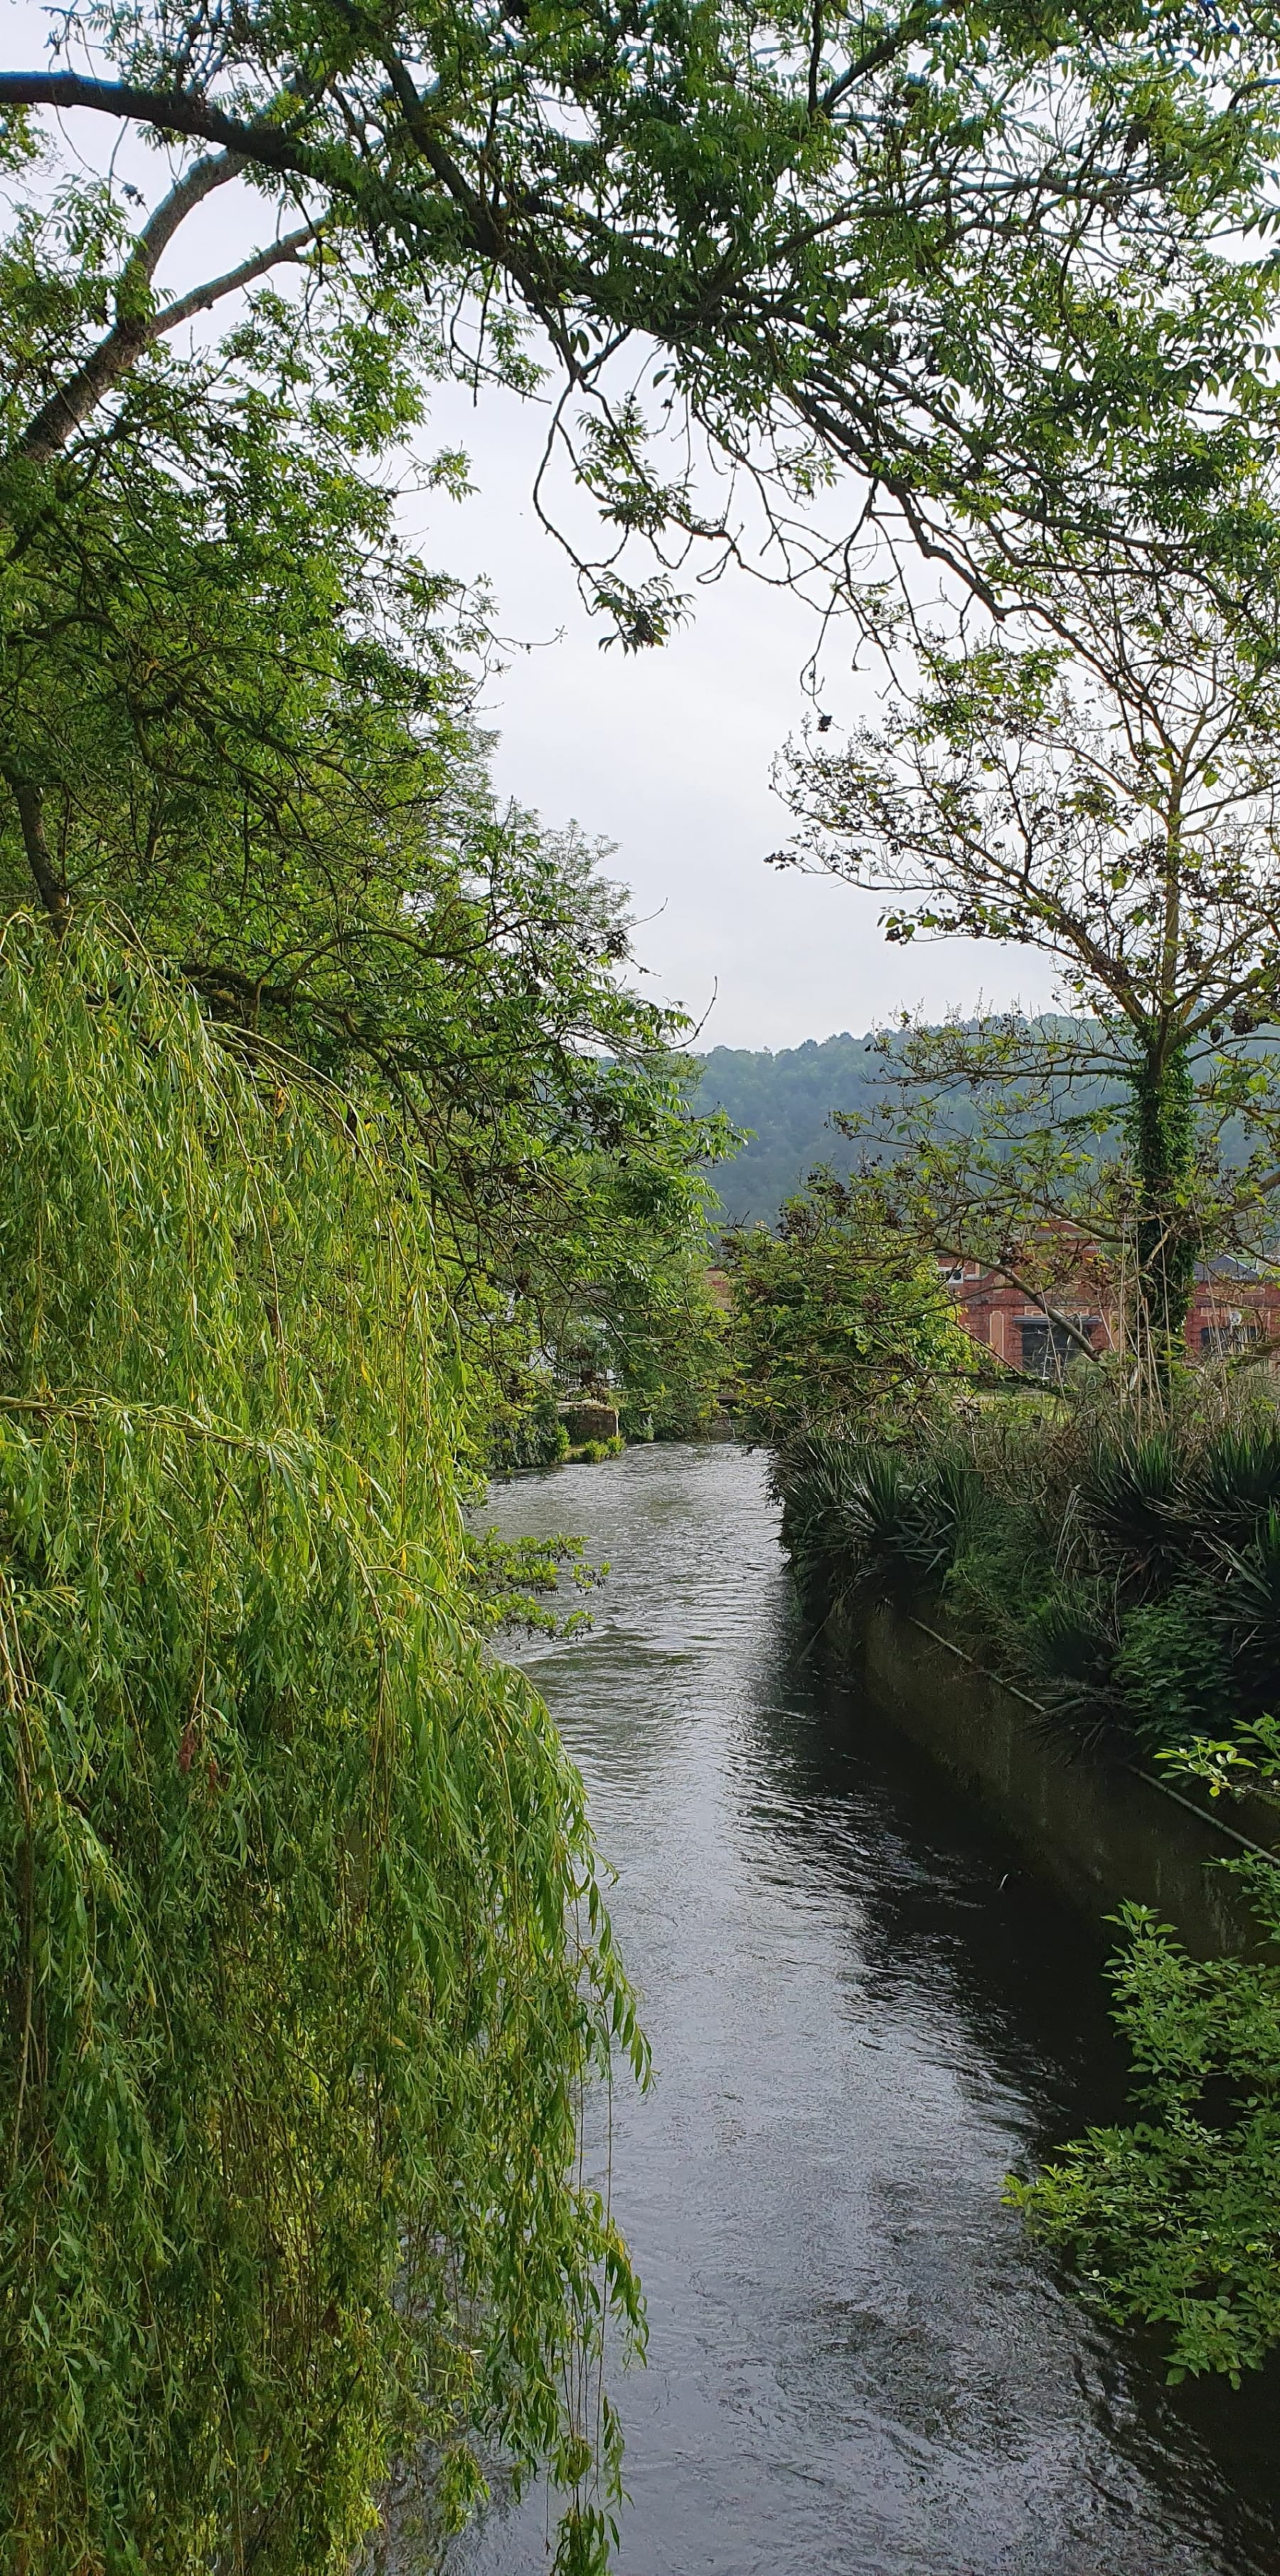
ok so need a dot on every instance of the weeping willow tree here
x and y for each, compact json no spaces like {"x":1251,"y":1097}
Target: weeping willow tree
{"x":302,"y":1956}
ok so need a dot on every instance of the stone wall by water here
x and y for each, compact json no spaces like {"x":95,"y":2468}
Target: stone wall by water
{"x":1104,"y":1830}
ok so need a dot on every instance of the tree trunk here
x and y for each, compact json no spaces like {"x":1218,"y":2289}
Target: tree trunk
{"x":1162,"y":1126}
{"x":40,"y":858}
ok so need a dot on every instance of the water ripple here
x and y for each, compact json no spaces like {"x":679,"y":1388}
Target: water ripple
{"x":864,"y":2009}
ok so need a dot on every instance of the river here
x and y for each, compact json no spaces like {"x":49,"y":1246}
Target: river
{"x":864,"y":2011}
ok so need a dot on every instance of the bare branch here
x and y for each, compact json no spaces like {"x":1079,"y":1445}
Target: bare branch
{"x":290,"y":247}
{"x":272,"y":147}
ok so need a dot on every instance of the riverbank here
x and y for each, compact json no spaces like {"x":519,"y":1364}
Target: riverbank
{"x":1122,"y":1581}
{"x":1105,"y":1830}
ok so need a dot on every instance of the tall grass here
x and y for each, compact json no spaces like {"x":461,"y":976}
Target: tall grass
{"x":1124,"y":1567}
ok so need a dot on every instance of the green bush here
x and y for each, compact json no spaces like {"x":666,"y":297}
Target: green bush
{"x":840,"y":1325}
{"x":1173,"y":1668}
{"x":529,"y":1435}
{"x":303,"y":1959}
{"x":1174,"y":2222}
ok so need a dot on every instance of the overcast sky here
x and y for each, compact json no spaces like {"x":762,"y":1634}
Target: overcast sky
{"x":667,"y":753}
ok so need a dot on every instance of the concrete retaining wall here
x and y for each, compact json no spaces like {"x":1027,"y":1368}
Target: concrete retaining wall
{"x":585,"y":1418}
{"x":1102,"y":1830}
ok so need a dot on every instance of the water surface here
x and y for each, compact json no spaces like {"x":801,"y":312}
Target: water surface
{"x":864,"y":2011}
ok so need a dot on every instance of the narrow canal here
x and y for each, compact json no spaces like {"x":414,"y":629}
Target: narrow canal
{"x":863,"y":2013}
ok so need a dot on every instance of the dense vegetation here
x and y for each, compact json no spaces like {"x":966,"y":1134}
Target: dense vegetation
{"x":782,"y":1103}
{"x":1176,"y":2220}
{"x":296,"y":2036}
{"x":838,"y":1324}
{"x":1129,"y":1581}
{"x":1120,"y":1564}
{"x":972,"y":256}
{"x":239,"y":715}
{"x":335,"y":1129}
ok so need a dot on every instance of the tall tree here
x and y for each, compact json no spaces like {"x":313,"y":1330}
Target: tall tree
{"x":840,"y":1322}
{"x":237,"y":713}
{"x":1094,"y":781}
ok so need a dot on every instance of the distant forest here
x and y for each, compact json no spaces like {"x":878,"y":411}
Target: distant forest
{"x":787,"y":1100}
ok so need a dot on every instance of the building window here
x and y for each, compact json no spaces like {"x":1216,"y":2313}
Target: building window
{"x":1225,"y":1333}
{"x":1047,"y":1347}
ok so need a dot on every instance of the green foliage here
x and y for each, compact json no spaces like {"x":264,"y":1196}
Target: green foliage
{"x":668,"y":1344}
{"x":632,"y":1311}
{"x":837,"y":1321}
{"x":1127,"y":1577}
{"x":858,"y":1516}
{"x":511,"y":1580}
{"x":1175,"y":2221}
{"x":303,"y":1955}
{"x":243,"y":719}
{"x":1174,"y":1667}
{"x":526,"y":1429}
{"x":593,"y":1453}
{"x":238,"y":709}
{"x":894,"y":246}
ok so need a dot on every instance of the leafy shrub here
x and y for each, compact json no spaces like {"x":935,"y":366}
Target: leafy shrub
{"x":511,"y":1581}
{"x":839,"y":1323}
{"x":529,"y":1435}
{"x":1173,"y":1670}
{"x":1175,"y":2221}
{"x":1250,"y":1611}
{"x":857,"y":1513}
{"x":302,"y":1954}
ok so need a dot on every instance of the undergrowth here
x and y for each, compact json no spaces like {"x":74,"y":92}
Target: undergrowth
{"x":1125,"y":1572}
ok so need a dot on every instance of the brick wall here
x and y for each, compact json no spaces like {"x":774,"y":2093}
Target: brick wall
{"x":1229,"y":1312}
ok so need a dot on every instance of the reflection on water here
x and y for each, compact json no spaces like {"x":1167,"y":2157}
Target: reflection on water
{"x":863,"y":2012}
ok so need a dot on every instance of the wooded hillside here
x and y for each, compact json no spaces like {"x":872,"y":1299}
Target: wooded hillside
{"x":785,"y":1099}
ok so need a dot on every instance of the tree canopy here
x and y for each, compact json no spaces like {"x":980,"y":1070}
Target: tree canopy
{"x":970,"y":253}
{"x":840,"y":1322}
{"x":238,"y":712}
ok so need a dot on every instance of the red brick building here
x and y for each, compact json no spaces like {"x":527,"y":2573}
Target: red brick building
{"x":1233,"y":1309}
